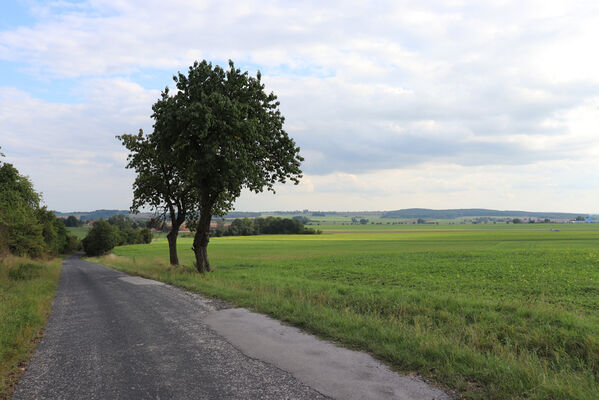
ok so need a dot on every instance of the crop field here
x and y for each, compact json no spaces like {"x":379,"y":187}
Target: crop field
{"x":488,"y":311}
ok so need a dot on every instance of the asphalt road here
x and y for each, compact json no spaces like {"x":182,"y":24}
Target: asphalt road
{"x":114,"y":336}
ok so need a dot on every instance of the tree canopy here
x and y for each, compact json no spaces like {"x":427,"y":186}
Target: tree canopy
{"x":159,"y":183}
{"x":27,"y":228}
{"x":101,"y":238}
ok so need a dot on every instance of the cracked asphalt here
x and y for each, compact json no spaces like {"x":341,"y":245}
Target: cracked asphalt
{"x":114,"y":336}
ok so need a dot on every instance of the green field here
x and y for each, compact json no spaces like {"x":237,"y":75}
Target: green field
{"x":490,"y":311}
{"x":26,"y":292}
{"x":80,"y":231}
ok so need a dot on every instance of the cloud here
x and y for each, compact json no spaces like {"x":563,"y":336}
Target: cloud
{"x":542,"y":186}
{"x":70,"y":150}
{"x":366,"y":88}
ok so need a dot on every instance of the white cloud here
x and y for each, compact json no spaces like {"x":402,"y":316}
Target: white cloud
{"x":70,"y":150}
{"x":543,"y":186}
{"x":368,"y":89}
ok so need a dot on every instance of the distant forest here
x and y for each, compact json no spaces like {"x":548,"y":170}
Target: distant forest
{"x":470,"y":212}
{"x":105,"y":214}
{"x":93,"y":215}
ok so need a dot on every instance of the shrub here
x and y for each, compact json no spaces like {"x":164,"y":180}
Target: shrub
{"x":101,"y":239}
{"x":25,"y":272}
{"x":72,"y":244}
{"x":145,"y":235}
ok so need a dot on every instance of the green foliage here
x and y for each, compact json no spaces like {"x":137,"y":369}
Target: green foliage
{"x":241,"y":227}
{"x":129,"y":231}
{"x":101,"y":238}
{"x":53,"y":230}
{"x":145,"y":235}
{"x":25,"y":272}
{"x":160,"y":181}
{"x":72,"y":222}
{"x":26,"y":229}
{"x":122,"y":222}
{"x":225,"y":133}
{"x":117,"y":231}
{"x":18,"y":205}
{"x":500,"y":311}
{"x":262,"y":226}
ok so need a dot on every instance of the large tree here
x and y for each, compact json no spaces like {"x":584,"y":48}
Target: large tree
{"x":226,"y":134}
{"x":20,"y":230}
{"x":27,"y":228}
{"x":159,"y":183}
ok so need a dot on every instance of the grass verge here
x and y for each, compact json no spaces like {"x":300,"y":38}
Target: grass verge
{"x":26,"y":291}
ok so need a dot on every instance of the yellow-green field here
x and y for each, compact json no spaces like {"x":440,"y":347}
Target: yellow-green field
{"x":490,"y":311}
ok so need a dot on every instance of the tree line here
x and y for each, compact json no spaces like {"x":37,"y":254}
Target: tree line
{"x":118,"y":230}
{"x":263,"y":226}
{"x":218,"y":133}
{"x":26,"y":227}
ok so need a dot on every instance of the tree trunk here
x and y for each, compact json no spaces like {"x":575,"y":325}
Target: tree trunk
{"x":200,"y":241}
{"x":177,"y":219}
{"x":172,"y":245}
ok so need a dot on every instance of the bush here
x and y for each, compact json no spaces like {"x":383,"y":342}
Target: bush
{"x":104,"y":236}
{"x":25,"y":272}
{"x":129,"y":231}
{"x":145,"y":236}
{"x":72,"y":244}
{"x":101,"y":239}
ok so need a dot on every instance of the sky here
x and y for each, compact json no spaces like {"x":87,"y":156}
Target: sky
{"x":394,"y":104}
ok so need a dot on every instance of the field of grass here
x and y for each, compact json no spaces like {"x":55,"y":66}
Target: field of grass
{"x":80,"y":231}
{"x":501,"y":312}
{"x":26,"y":292}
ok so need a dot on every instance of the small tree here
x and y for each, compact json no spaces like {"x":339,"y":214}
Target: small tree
{"x":20,"y":230}
{"x":159,"y":184}
{"x":146,"y":235}
{"x":226,"y":133}
{"x":100,"y":239}
{"x":72,"y":221}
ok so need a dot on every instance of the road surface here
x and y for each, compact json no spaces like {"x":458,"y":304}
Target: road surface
{"x":115,"y":336}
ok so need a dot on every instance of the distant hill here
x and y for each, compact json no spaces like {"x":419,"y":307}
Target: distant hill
{"x":470,"y":212}
{"x":242,"y":214}
{"x":97,"y":214}
{"x":93,"y":215}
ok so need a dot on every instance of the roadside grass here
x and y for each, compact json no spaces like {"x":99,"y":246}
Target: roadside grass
{"x":502,"y":314}
{"x":26,"y":291}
